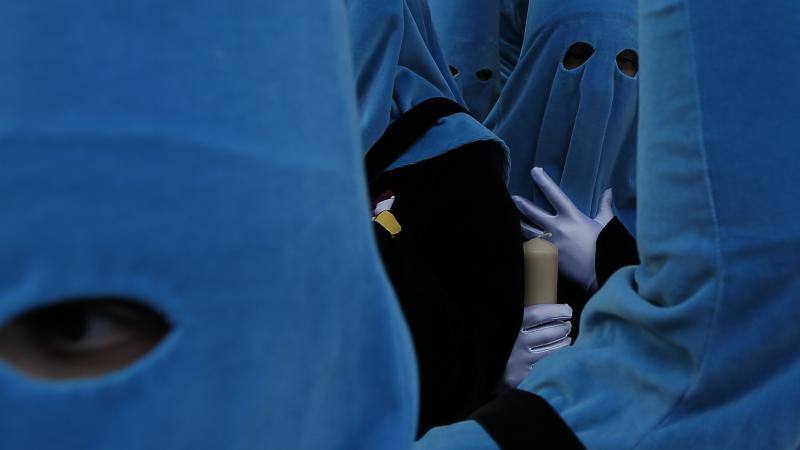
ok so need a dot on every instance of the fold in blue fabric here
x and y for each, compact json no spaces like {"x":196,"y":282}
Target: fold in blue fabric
{"x":513,"y":14}
{"x":469,"y":32}
{"x":578,"y":124}
{"x":399,"y":65}
{"x":205,"y":159}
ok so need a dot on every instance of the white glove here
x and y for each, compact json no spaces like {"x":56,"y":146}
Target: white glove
{"x":545,"y":329}
{"x":573,"y":232}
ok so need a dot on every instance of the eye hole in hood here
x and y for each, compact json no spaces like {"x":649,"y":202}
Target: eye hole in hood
{"x":453,"y":70}
{"x":484,"y":74}
{"x":577,"y":54}
{"x":82,"y":337}
{"x":628,"y":62}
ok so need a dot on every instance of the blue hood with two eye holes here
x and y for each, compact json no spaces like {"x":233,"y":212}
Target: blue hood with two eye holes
{"x":400,"y":65}
{"x":469,"y":34}
{"x":579,"y":124}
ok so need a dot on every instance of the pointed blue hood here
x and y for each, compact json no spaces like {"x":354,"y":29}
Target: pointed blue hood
{"x":469,"y":32}
{"x":577,"y":124}
{"x":195,"y":157}
{"x":399,"y":65}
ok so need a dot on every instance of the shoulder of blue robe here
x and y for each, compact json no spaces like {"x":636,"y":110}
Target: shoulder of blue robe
{"x":205,"y":160}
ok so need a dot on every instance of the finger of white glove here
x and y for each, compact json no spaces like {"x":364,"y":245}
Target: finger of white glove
{"x":523,"y":358}
{"x":538,"y":354}
{"x":546,"y":334}
{"x":606,"y":211}
{"x":536,"y":315}
{"x":529,"y":231}
{"x":553,"y":193}
{"x":533,"y":213}
{"x":550,"y":348}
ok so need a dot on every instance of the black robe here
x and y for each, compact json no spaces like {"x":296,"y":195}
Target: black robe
{"x":456,"y":266}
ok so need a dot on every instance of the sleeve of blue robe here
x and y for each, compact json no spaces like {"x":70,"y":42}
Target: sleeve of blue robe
{"x":696,"y":347}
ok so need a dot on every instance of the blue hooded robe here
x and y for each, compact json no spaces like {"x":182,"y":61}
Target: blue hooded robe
{"x":400,"y":65}
{"x":696,"y":347}
{"x":469,"y":32}
{"x":197,"y":158}
{"x":578,"y":124}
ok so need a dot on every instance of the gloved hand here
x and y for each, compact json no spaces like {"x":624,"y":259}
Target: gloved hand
{"x":545,"y":329}
{"x":573,"y":233}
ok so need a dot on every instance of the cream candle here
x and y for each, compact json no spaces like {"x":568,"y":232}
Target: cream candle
{"x":541,"y":271}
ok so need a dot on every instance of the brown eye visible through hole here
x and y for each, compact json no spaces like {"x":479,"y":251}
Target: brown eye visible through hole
{"x":453,"y":70}
{"x":577,"y":54}
{"x":628,"y":62}
{"x":484,"y":74}
{"x":81,"y":338}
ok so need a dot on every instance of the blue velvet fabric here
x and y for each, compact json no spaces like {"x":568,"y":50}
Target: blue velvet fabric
{"x":578,"y":124}
{"x":205,"y":159}
{"x":398,"y":65}
{"x":697,"y":347}
{"x":469,"y":31}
